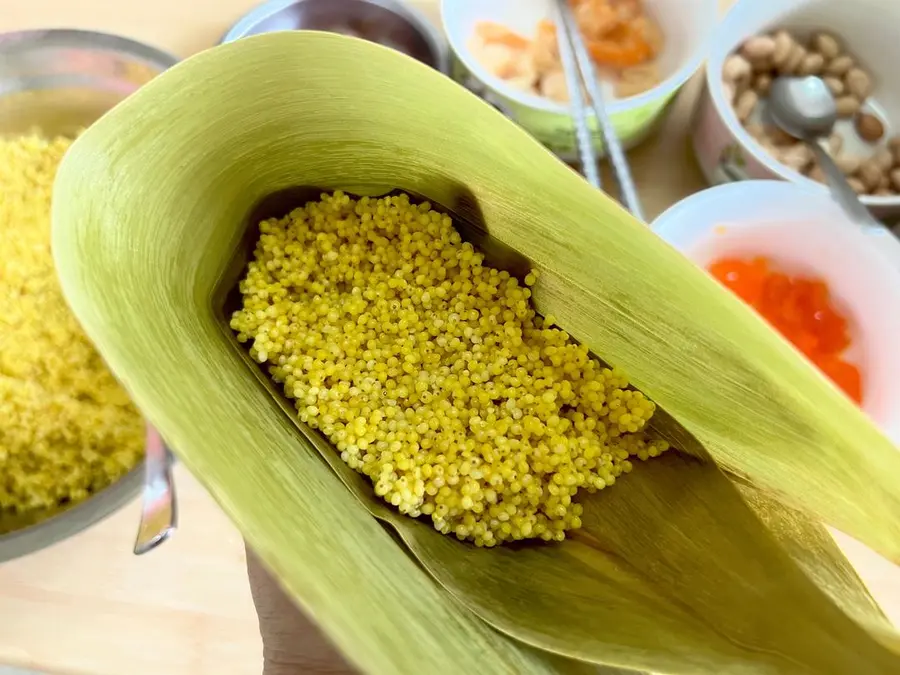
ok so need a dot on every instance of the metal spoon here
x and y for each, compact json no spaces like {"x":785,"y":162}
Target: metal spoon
{"x":159,"y":513}
{"x":804,"y":107}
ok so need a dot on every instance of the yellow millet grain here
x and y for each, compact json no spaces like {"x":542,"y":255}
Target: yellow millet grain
{"x":67,"y":429}
{"x":431,"y":373}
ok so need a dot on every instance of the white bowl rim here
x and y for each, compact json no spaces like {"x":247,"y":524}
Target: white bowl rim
{"x":714,"y":65}
{"x":739,"y":187}
{"x":665,"y":88}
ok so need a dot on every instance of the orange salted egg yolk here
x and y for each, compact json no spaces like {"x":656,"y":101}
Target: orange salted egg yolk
{"x":800,"y":309}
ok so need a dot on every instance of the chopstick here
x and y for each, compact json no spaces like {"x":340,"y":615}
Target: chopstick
{"x":577,"y":104}
{"x":578,"y":66}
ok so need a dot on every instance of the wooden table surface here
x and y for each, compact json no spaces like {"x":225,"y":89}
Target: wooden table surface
{"x":88,"y":606}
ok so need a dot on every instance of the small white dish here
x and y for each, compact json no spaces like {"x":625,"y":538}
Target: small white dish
{"x":688,"y":27}
{"x":803,"y":231}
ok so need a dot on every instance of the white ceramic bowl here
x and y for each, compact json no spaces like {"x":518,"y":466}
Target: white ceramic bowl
{"x":688,"y":26}
{"x":867,"y":27}
{"x":803,"y":231}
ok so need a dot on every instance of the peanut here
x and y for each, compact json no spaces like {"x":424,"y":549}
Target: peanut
{"x":884,"y":159}
{"x":858,"y":83}
{"x":895,"y":179}
{"x":848,"y":164}
{"x":779,"y":136}
{"x":827,"y":45}
{"x":758,"y":49}
{"x":769,"y":147}
{"x":870,"y":174}
{"x":746,"y":104}
{"x":817,"y":174}
{"x":795,"y":58}
{"x":812,"y":64}
{"x":756,"y":130}
{"x":736,"y":69}
{"x":784,"y":45}
{"x":883,"y":192}
{"x":797,"y":157}
{"x":847,"y":106}
{"x":836,"y":84}
{"x":764,"y":66}
{"x":762,"y":83}
{"x":894,"y":146}
{"x":839,"y":66}
{"x":857,"y":185}
{"x":869,"y":127}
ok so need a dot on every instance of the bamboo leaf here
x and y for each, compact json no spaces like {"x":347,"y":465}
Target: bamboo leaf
{"x":671,"y":552}
{"x":641,"y":568}
{"x":817,"y":554}
{"x":673,"y":571}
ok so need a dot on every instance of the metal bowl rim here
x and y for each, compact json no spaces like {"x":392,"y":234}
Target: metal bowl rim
{"x":413,"y":15}
{"x":73,"y":520}
{"x":87,"y":39}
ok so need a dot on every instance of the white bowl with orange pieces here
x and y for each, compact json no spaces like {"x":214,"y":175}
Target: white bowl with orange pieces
{"x":790,"y":252}
{"x":644,"y":50}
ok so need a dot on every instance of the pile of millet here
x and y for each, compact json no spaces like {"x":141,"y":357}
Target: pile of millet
{"x":67,"y":428}
{"x":431,"y":373}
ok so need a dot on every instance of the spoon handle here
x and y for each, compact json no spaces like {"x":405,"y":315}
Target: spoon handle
{"x":841,"y":191}
{"x":159,"y":514}
{"x":882,"y":238}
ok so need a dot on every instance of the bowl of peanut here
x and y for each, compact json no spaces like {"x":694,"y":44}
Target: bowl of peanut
{"x":852,"y":47}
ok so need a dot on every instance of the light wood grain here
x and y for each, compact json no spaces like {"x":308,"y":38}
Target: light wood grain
{"x":88,"y":605}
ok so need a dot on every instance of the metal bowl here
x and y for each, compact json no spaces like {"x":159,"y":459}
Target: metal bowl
{"x":58,"y":82}
{"x":388,"y":22}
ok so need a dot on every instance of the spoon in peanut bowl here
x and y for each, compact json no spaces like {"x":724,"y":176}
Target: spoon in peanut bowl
{"x":804,"y":107}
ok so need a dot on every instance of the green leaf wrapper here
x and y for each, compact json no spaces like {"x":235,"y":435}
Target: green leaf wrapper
{"x":672,"y":572}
